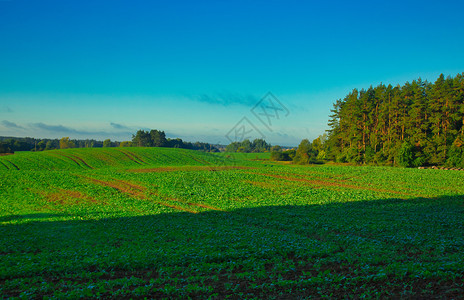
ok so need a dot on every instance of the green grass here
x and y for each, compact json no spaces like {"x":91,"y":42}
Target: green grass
{"x":96,"y":158}
{"x":246,"y":156}
{"x":172,"y":223}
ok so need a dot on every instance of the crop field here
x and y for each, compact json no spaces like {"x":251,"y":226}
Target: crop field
{"x":175,"y":223}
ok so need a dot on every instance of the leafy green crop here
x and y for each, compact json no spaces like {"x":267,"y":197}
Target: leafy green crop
{"x":173,"y":223}
{"x":96,"y":158}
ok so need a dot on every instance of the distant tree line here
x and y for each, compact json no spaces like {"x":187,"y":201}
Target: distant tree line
{"x":157,"y":138}
{"x":152,"y":138}
{"x":246,"y":146}
{"x":12,"y":144}
{"x":306,"y":153}
{"x":418,"y":123}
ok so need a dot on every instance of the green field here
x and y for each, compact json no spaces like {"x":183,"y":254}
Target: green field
{"x":174,"y":223}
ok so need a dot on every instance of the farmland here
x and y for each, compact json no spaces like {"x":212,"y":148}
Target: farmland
{"x":175,"y":223}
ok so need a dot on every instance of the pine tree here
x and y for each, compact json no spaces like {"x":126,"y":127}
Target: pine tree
{"x":373,"y":125}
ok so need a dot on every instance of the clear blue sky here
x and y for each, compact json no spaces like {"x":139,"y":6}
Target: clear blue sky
{"x":103,"y":69}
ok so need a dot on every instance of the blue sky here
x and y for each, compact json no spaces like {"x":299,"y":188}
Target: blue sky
{"x":103,"y":69}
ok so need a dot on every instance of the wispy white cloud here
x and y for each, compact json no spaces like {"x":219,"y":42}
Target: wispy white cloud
{"x":119,"y":126}
{"x":65,"y":130}
{"x":227,"y":99}
{"x":55,"y":128}
{"x":9,"y":124}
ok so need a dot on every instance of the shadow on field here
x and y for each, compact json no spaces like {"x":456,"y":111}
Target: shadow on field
{"x":355,"y":239}
{"x":37,"y":216}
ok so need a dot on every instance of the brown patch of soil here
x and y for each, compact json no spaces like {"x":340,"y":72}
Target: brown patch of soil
{"x":69,"y":197}
{"x":124,"y":187}
{"x":65,"y":197}
{"x":140,"y":192}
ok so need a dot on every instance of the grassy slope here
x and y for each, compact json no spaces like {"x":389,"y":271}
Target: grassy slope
{"x":95,"y":158}
{"x":269,"y":231}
